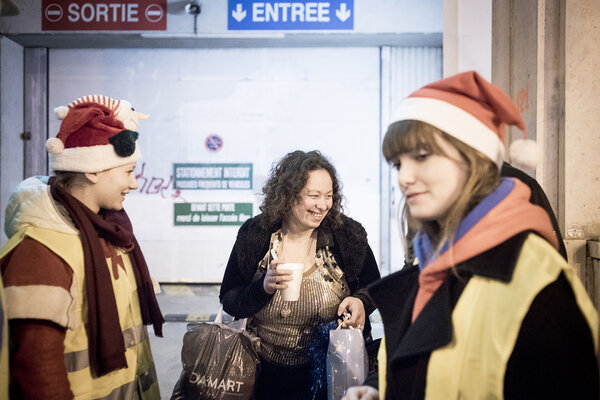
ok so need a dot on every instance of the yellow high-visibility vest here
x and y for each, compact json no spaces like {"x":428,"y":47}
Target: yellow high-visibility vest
{"x":138,"y":380}
{"x":472,"y":366}
{"x":4,"y":348}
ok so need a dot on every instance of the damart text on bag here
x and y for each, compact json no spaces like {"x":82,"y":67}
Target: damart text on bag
{"x":225,"y":385}
{"x":220,"y":361}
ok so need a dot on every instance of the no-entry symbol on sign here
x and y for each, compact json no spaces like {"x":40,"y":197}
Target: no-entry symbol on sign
{"x":213,"y":143}
{"x":54,"y":12}
{"x":154,"y":13}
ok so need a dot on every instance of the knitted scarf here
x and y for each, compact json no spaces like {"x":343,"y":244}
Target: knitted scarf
{"x":497,"y":218}
{"x":105,"y":338}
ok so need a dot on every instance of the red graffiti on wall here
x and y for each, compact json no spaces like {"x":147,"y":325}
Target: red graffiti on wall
{"x":157,"y":185}
{"x":522,"y":101}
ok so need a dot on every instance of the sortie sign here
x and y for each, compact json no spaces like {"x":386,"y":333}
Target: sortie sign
{"x":104,"y":15}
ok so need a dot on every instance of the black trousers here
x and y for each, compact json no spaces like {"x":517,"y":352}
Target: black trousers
{"x":276,"y":382}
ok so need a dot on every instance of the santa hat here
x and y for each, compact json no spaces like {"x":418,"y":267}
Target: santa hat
{"x":474,"y":111}
{"x":96,"y":133}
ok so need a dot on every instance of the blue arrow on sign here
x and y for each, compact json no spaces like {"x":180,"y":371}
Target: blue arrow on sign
{"x":290,"y":15}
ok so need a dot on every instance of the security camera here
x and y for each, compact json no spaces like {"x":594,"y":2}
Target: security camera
{"x":193,"y":8}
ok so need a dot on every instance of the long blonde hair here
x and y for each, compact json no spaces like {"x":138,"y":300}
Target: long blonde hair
{"x":483,"y":176}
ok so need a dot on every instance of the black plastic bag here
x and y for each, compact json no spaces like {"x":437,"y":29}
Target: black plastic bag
{"x":220,"y":361}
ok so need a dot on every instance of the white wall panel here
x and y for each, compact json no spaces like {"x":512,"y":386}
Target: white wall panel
{"x":262,"y":102}
{"x":11,"y":123}
{"x":406,"y":69}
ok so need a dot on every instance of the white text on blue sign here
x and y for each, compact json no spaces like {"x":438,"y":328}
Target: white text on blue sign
{"x":290,"y":15}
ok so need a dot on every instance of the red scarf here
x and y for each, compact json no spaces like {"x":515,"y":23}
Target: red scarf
{"x":105,"y":337}
{"x":486,"y":229}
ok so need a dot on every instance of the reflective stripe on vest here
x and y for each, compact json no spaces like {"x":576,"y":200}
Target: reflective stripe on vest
{"x":77,"y":360}
{"x":472,"y":366}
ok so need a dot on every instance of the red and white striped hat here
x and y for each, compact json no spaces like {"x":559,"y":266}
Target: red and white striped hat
{"x":474,"y":111}
{"x":96,"y":133}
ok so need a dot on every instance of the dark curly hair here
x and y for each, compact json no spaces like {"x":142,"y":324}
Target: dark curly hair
{"x":287,"y":179}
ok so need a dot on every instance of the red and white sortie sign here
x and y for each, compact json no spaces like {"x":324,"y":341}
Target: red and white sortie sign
{"x":104,"y":15}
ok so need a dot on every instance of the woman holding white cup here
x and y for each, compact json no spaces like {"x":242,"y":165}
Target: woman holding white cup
{"x":301,"y":223}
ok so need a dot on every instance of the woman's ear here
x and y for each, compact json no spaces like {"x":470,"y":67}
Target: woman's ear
{"x":91,"y":176}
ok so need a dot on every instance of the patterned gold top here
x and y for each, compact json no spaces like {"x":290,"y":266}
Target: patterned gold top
{"x":286,"y":327}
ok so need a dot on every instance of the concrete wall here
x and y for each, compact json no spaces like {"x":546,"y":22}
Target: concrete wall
{"x":582,"y":119}
{"x":545,"y":56}
{"x":526,"y":64}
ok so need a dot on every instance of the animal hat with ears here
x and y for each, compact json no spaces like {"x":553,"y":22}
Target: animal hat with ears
{"x":97,"y":133}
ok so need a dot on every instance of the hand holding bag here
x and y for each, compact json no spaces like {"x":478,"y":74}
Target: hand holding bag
{"x":220,"y":361}
{"x":347,"y":361}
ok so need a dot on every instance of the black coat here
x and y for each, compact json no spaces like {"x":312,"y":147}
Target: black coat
{"x":553,"y":357}
{"x":538,"y":197}
{"x":242,"y":297}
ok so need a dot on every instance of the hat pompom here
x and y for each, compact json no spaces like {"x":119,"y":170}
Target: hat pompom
{"x":525,"y":153}
{"x":61,"y":112}
{"x":54,"y":145}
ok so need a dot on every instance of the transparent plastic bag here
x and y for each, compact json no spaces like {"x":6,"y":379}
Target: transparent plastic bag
{"x":220,"y":361}
{"x":347,"y":361}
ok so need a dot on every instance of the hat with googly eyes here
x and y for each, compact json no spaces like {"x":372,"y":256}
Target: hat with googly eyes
{"x":96,"y":133}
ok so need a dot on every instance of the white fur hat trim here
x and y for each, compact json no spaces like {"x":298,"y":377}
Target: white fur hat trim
{"x":525,"y":153}
{"x":61,"y":112}
{"x":55,"y":145}
{"x":455,"y":121}
{"x":90,"y":159}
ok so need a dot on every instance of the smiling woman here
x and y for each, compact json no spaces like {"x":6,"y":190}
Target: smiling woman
{"x":301,"y":223}
{"x":111,"y":187}
{"x":72,"y":249}
{"x":316,"y":198}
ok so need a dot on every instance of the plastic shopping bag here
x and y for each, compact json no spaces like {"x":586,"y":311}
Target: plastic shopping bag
{"x":220,"y":361}
{"x":347,"y":361}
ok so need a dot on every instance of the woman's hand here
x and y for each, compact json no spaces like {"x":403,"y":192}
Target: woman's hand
{"x":361,"y":393}
{"x":356,"y":308}
{"x":275,"y":280}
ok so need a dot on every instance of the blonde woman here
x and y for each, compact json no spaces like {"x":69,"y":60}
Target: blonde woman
{"x":492,"y":310}
{"x":78,"y":290}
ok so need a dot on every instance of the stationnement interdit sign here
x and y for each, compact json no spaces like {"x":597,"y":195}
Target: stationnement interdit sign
{"x":212,"y":176}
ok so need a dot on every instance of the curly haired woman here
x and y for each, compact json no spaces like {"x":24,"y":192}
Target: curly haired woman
{"x":301,"y":222}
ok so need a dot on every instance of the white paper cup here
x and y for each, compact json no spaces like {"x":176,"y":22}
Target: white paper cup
{"x":292,"y":292}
